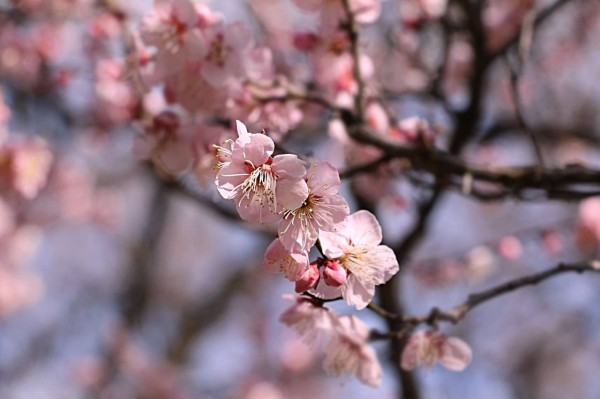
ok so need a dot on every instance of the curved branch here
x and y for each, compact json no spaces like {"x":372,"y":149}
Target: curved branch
{"x":459,"y":312}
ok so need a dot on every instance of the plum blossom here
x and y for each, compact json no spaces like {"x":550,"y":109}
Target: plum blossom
{"x":309,"y":279}
{"x":24,"y":166}
{"x":164,"y":144}
{"x":348,"y":352}
{"x":342,"y":337}
{"x":356,"y":247}
{"x":278,"y":259}
{"x":259,"y":183}
{"x":426,"y":348}
{"x":366,"y":11}
{"x":588,"y":226}
{"x":227,"y":46}
{"x":171,"y":27}
{"x":321,"y":210}
{"x":315,"y":324}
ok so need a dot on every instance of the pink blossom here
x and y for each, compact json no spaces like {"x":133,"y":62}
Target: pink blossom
{"x":334,"y":274}
{"x":434,"y":8}
{"x":510,"y":247}
{"x":189,"y":89}
{"x":348,"y":352}
{"x":258,"y":183}
{"x":426,"y":348}
{"x":17,"y":289}
{"x":342,"y":337}
{"x":171,"y":27}
{"x":293,"y":265}
{"x":414,"y":129}
{"x":322,"y":209}
{"x":315,"y":324}
{"x":356,"y":246}
{"x":366,"y":11}
{"x":227,"y":46}
{"x":309,"y":279}
{"x":164,"y":144}
{"x":24,"y":166}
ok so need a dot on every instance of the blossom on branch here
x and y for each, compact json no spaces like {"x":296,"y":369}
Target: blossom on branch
{"x":426,"y":348}
{"x":348,"y":352}
{"x":322,"y":209}
{"x":356,"y":247}
{"x":343,"y":338}
{"x":260,"y":184}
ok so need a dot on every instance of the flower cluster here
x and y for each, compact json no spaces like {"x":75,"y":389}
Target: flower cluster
{"x":343,"y":338}
{"x":308,"y":208}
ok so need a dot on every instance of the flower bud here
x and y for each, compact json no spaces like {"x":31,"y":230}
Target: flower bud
{"x":309,"y":279}
{"x":334,"y":274}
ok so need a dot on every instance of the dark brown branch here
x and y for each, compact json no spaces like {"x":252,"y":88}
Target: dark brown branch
{"x":572,"y":182}
{"x":135,"y":297}
{"x":195,"y":320}
{"x":459,"y":312}
{"x":261,"y":94}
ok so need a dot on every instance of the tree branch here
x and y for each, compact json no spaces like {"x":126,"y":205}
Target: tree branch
{"x":459,"y":312}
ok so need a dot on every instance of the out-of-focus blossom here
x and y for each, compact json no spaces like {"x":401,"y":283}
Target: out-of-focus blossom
{"x":227,"y":47}
{"x":413,"y":130}
{"x":349,"y":352}
{"x":510,"y":247}
{"x":171,"y":27}
{"x":343,"y":338}
{"x":23,"y":52}
{"x":365,"y":11}
{"x":588,"y":227}
{"x":480,"y":263}
{"x":17,"y":289}
{"x":356,"y":246}
{"x":554,"y":241}
{"x":115,"y":98}
{"x":434,"y":8}
{"x":188,"y":89}
{"x":425,"y":348}
{"x":164,"y":143}
{"x":314,"y":324}
{"x":24,"y":166}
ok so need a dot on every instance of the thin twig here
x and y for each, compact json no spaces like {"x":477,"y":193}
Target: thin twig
{"x":459,"y":312}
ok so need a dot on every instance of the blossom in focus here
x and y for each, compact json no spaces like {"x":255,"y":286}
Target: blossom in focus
{"x":322,"y":210}
{"x":356,"y":247}
{"x":426,"y":348}
{"x":348,"y":352}
{"x":258,"y":183}
{"x":309,"y":279}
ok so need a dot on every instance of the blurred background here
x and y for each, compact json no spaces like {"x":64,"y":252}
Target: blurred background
{"x":122,"y":278}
